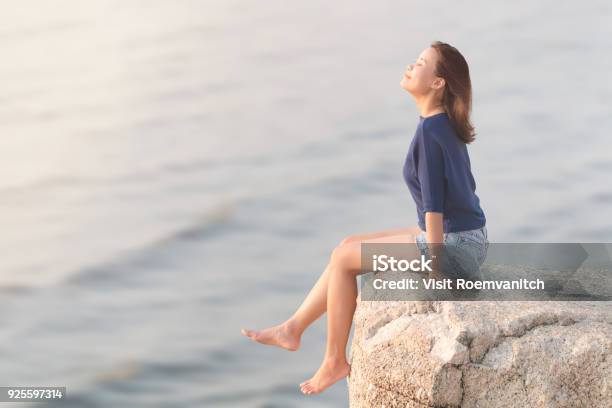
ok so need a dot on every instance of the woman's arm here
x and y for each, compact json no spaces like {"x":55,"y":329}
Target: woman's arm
{"x":435,"y":237}
{"x":432,"y":178}
{"x":434,"y":227}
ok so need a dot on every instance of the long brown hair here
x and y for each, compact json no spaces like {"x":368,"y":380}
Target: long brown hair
{"x":457,"y":96}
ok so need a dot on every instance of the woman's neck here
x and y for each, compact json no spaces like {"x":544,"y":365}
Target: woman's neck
{"x":433,"y":112}
{"x":429,"y":107}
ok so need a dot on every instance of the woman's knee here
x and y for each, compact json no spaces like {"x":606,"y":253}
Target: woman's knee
{"x":342,"y":256}
{"x":359,"y":237}
{"x":337,"y":255}
{"x":348,"y":240}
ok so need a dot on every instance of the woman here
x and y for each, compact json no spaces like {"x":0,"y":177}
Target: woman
{"x":437,"y":172}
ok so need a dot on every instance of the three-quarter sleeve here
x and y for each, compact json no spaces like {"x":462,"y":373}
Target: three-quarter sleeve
{"x":431,"y":173}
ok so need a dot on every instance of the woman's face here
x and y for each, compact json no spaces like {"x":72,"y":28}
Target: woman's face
{"x":419,"y":77}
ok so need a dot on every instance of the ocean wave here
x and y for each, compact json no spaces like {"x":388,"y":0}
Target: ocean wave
{"x":151,"y":255}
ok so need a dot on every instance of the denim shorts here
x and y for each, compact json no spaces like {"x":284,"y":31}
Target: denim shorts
{"x":465,"y":252}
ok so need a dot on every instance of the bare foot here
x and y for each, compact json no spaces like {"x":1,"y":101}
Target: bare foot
{"x":330,"y":372}
{"x":282,"y":336}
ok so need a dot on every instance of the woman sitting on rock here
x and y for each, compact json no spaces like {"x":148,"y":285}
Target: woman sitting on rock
{"x":438,"y":174}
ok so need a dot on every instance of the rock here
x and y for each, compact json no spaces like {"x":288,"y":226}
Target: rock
{"x":481,"y":354}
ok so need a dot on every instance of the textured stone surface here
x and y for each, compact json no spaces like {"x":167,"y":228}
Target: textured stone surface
{"x":481,"y":354}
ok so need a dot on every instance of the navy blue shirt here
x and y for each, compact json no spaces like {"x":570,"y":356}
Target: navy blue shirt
{"x":438,"y":174}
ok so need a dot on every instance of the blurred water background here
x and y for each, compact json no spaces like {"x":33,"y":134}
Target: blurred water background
{"x":172,"y":171}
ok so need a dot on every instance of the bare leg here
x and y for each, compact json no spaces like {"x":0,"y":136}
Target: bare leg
{"x":341,"y":302}
{"x":288,"y":334}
